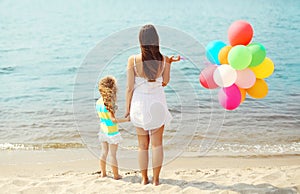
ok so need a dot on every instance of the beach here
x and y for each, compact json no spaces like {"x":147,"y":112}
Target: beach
{"x":77,"y":171}
{"x":53,"y":53}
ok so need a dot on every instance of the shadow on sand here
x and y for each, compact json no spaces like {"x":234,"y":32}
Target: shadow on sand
{"x":210,"y":186}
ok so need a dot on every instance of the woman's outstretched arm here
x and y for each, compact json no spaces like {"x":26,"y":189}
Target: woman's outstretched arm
{"x":130,"y":84}
{"x":166,"y":73}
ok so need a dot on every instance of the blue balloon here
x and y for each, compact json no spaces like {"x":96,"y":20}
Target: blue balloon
{"x":212,"y":51}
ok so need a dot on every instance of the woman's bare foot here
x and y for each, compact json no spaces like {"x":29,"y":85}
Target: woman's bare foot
{"x":145,"y":181}
{"x":118,"y":177}
{"x":155,"y":182}
{"x":103,"y":175}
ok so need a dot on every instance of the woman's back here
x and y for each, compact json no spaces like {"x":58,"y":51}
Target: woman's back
{"x":142,"y":83}
{"x":139,"y":70}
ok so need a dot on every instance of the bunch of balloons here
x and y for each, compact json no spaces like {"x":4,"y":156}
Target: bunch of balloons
{"x":238,"y":68}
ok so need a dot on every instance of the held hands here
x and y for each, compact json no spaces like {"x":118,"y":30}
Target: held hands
{"x":127,"y":113}
{"x":127,"y":116}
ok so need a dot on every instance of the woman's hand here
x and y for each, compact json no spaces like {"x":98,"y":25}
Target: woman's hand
{"x":127,"y":113}
{"x":174,"y":59}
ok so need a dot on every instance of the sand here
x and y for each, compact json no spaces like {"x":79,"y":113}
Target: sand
{"x":76,"y":171}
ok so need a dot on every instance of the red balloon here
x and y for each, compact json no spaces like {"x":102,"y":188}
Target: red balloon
{"x":240,"y":33}
{"x":206,"y":77}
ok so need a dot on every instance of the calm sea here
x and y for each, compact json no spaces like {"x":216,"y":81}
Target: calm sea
{"x":44,"y":43}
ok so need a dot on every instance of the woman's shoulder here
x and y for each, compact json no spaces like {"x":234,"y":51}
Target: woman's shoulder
{"x":132,"y":59}
{"x":130,"y":62}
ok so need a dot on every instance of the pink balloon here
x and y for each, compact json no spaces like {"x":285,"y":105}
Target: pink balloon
{"x":230,"y":97}
{"x":206,"y":77}
{"x":245,"y":78}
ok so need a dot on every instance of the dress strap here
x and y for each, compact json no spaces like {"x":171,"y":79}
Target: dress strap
{"x":134,"y":66}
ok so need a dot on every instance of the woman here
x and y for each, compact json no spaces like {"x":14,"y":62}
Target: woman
{"x":147,"y":73}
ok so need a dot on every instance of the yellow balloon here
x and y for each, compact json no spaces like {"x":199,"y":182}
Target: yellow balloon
{"x":264,"y":70}
{"x":259,"y":89}
{"x":243,"y":94}
{"x":223,"y":54}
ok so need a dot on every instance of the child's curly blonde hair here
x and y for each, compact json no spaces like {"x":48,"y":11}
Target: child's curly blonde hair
{"x":108,"y":89}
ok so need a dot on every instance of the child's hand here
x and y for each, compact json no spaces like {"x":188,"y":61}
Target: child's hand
{"x":127,"y":118}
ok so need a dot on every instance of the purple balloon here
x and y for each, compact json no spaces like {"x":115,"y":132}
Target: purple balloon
{"x":230,"y":97}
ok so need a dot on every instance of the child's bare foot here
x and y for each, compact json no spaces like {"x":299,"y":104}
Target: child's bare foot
{"x":155,"y":182}
{"x":145,"y":181}
{"x":118,"y":177}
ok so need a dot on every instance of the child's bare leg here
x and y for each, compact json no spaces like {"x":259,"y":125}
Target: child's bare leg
{"x":143,"y":139}
{"x":104,"y":152}
{"x":113,"y":159}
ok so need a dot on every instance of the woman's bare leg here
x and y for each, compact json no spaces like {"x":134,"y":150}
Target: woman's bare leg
{"x":157,"y":152}
{"x":113,"y":159}
{"x":104,"y":152}
{"x":143,"y":139}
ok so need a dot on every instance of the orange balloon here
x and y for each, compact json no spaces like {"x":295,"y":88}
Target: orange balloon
{"x":243,"y":94}
{"x":223,"y":54}
{"x":259,"y":89}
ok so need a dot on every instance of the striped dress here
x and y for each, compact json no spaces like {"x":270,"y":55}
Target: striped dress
{"x":109,"y":131}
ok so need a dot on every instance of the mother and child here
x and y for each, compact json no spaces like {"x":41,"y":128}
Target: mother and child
{"x":146,"y":107}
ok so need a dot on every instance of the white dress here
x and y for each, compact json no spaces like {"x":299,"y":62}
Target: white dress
{"x":148,"y":108}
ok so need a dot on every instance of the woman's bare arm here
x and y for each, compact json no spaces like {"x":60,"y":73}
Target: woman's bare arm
{"x":166,"y":73}
{"x":130,"y":84}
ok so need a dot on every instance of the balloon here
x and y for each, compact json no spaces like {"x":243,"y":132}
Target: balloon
{"x":258,"y":52}
{"x":224,"y":75}
{"x":259,"y":89}
{"x":243,"y":94}
{"x":239,"y":68}
{"x":206,"y":77}
{"x":264,"y":70}
{"x":212,"y":50}
{"x":240,"y":33}
{"x":223,"y":54}
{"x":245,"y":78}
{"x":239,"y":57}
{"x":230,"y":97}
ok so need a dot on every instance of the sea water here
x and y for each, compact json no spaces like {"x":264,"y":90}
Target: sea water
{"x":44,"y":43}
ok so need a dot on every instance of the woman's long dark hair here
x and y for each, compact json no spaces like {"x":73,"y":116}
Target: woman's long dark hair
{"x":151,"y":56}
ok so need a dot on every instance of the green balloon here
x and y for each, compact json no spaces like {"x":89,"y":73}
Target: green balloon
{"x":239,"y":57}
{"x":258,"y":52}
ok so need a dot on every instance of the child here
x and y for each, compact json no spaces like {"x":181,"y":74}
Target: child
{"x":109,"y":134}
